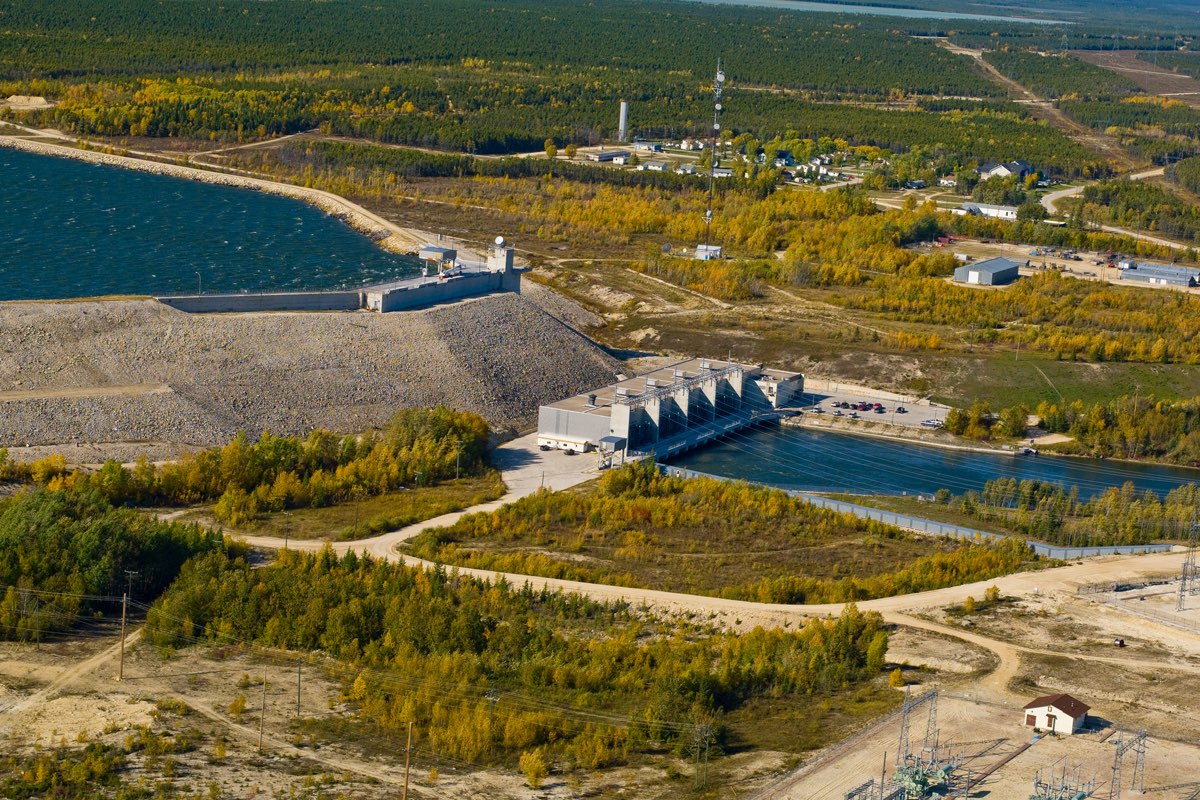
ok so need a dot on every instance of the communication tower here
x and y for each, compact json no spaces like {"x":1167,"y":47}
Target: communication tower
{"x":718,"y":107}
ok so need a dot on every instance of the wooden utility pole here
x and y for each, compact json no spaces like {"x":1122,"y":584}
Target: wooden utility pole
{"x":262,"y":715}
{"x":407,"y":761}
{"x":298,"y":663}
{"x":121,"y":657}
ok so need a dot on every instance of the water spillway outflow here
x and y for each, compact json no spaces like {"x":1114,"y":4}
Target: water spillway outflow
{"x":74,"y":229}
{"x":824,"y":461}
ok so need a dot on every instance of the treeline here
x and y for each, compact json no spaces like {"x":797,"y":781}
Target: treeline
{"x":433,"y":648}
{"x":60,"y":549}
{"x":1060,"y":76}
{"x":1186,"y":173}
{"x":1073,"y":319}
{"x":635,"y":506}
{"x":1051,"y":513}
{"x":1159,"y":129}
{"x":968,"y":564}
{"x":327,"y":161}
{"x":419,"y":446}
{"x":1129,"y":427}
{"x":1144,"y":206}
{"x":495,"y":109}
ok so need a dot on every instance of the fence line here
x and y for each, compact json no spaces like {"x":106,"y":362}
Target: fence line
{"x":931,"y":527}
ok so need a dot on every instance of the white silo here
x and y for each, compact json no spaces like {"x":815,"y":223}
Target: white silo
{"x":623,"y":126}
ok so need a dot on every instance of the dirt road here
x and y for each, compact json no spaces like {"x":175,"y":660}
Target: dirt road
{"x":68,"y":676}
{"x":123,"y":390}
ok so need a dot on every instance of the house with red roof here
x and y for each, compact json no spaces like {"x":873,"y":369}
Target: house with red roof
{"x":1059,"y":713}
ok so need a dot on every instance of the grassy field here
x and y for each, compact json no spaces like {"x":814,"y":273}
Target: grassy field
{"x":373,"y":515}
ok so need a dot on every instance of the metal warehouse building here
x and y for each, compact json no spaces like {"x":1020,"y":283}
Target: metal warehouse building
{"x":670,"y":409}
{"x":993,"y":272}
{"x":1162,"y":274}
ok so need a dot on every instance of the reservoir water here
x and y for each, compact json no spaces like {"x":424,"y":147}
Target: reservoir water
{"x":73,"y":229}
{"x":823,"y":461}
{"x":883,"y":11}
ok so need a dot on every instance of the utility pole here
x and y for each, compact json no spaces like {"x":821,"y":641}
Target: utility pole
{"x":457,"y":461}
{"x":121,"y":657}
{"x":298,"y":664}
{"x":407,"y":760}
{"x":262,"y":715}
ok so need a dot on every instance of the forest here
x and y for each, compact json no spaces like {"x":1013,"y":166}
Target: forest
{"x":641,"y":528}
{"x":1051,"y":513}
{"x":62,"y":553}
{"x":758,"y":46}
{"x":505,"y":80}
{"x":1186,"y":173}
{"x":589,"y":684}
{"x":418,"y":447}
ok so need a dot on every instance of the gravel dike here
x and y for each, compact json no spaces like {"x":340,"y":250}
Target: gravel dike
{"x":500,"y":356}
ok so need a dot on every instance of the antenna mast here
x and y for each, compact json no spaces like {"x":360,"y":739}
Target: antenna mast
{"x":718,"y":89}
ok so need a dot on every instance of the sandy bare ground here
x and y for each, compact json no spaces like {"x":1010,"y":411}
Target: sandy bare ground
{"x":24,"y":102}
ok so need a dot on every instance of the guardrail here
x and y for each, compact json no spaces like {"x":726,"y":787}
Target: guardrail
{"x":931,"y":527}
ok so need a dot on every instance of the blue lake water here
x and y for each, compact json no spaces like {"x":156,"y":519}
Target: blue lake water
{"x":883,"y":11}
{"x":73,"y":229}
{"x":822,"y":461}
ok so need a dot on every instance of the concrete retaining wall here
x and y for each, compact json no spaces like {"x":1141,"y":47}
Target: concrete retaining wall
{"x":277,"y":301}
{"x":427,"y":294}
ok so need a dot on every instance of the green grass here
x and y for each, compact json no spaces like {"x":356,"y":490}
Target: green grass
{"x":1003,"y":379}
{"x":797,"y":725}
{"x":381,"y":513}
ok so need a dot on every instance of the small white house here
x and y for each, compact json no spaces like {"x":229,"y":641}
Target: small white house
{"x":1059,"y":713}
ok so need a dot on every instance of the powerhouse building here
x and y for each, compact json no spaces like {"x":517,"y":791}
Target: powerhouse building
{"x":670,"y":409}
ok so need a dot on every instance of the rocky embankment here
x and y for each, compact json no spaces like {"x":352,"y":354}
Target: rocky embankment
{"x":499,"y":355}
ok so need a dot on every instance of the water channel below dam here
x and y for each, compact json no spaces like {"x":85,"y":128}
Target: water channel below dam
{"x":824,"y":461}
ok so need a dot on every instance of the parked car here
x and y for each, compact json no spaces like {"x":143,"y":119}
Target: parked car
{"x":853,"y":415}
{"x":901,"y":410}
{"x":880,"y":410}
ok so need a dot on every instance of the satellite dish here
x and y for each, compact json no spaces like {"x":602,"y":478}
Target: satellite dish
{"x":720,"y":107}
{"x":721,"y":77}
{"x":666,"y":248}
{"x":717,"y":127}
{"x":499,"y":240}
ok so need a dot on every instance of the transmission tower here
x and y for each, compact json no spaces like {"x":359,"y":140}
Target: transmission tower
{"x":1138,"y":745}
{"x":911,"y":704}
{"x":930,"y":745}
{"x":1189,"y":580}
{"x":718,"y":90}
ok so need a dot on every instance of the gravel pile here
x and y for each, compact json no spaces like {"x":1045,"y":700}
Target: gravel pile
{"x":499,"y":356}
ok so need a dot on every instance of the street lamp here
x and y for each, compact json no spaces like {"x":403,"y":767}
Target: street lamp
{"x":199,"y":284}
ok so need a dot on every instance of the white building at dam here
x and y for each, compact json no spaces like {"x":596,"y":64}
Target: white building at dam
{"x":669,"y":410}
